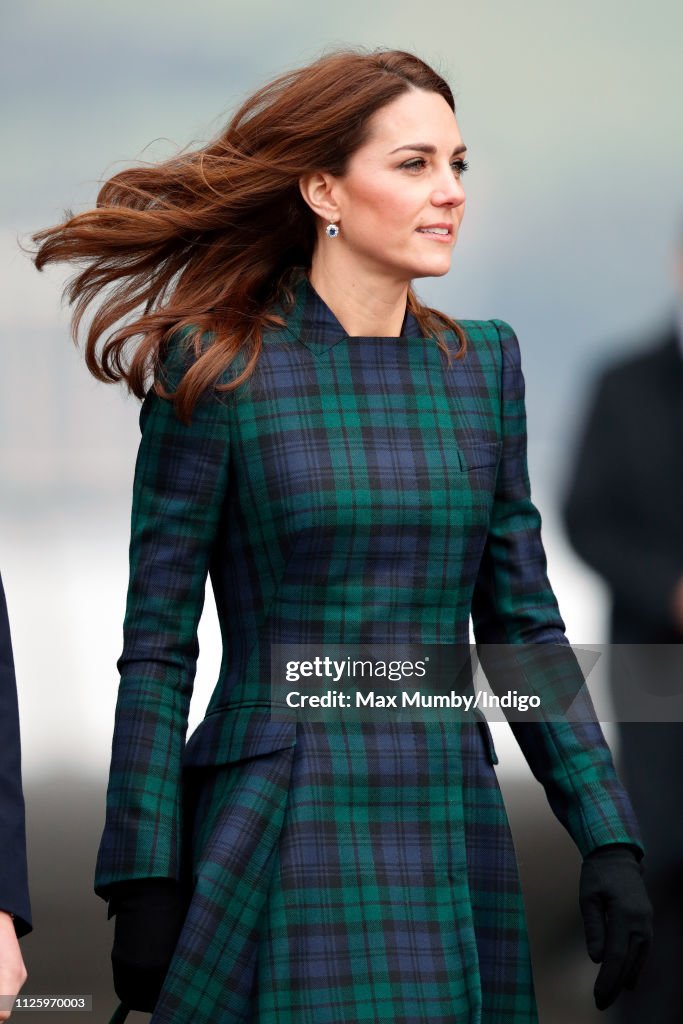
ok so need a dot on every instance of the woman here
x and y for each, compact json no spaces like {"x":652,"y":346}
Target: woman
{"x":349,"y":467}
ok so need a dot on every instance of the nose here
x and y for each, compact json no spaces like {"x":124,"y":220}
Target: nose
{"x":451,"y":191}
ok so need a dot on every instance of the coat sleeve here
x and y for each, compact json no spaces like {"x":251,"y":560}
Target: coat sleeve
{"x":14,"y":895}
{"x":513,"y":604}
{"x":179,"y":487}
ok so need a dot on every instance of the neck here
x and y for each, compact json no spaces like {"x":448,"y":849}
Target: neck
{"x":366,"y":304}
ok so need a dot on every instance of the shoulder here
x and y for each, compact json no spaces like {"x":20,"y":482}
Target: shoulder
{"x":177,"y":356}
{"x":494,"y":333}
{"x":6,"y":658}
{"x":179,"y":353}
{"x":640,"y":363}
{"x":493,"y":341}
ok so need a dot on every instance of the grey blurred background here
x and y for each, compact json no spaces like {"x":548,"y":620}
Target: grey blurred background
{"x":572,"y":116}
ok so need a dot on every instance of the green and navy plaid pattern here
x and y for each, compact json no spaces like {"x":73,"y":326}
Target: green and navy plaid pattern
{"x":354,"y":491}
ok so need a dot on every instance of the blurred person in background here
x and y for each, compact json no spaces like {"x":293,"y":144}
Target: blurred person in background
{"x":368,"y":485}
{"x":623,"y":512}
{"x":15,"y":910}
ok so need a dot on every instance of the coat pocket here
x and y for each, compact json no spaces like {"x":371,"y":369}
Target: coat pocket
{"x":236,"y":732}
{"x":478,"y":454}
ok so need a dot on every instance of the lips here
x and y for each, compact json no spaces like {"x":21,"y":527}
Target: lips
{"x":438,"y":230}
{"x":444,"y":235}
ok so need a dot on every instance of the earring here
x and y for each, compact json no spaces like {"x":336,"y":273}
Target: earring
{"x":332,"y":230}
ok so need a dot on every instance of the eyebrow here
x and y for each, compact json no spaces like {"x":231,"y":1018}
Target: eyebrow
{"x":425,"y":147}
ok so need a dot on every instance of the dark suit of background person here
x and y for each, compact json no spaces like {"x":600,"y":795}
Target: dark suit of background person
{"x":14,"y":896}
{"x":624,"y":515}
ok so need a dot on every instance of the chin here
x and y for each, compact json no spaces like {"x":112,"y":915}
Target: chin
{"x":437,"y":269}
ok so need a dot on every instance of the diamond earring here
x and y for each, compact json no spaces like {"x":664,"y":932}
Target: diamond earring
{"x":332,"y":230}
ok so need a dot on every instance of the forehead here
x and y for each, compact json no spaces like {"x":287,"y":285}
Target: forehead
{"x":415,"y":116}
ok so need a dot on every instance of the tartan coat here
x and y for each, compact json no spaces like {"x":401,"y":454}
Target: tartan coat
{"x":354,"y":490}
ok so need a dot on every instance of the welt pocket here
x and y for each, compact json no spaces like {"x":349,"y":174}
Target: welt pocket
{"x":479,"y":454}
{"x":241,"y":707}
{"x":233,"y":733}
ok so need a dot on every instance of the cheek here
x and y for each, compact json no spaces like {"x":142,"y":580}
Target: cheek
{"x":378,"y":206}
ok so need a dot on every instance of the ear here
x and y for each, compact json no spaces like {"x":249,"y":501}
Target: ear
{"x":318,"y":190}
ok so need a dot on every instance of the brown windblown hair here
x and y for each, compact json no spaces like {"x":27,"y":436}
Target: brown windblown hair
{"x":209,"y":238}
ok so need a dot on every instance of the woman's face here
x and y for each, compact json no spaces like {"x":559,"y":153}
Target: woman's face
{"x":407,"y":177}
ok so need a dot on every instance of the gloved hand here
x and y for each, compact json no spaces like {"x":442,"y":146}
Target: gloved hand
{"x":149,"y":917}
{"x":617,"y":917}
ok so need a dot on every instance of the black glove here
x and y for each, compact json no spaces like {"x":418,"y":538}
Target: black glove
{"x":149,"y":917}
{"x":617,"y":917}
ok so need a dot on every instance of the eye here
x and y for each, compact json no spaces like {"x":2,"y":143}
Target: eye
{"x":460,"y":165}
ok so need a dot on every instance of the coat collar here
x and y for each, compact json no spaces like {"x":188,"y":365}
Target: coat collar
{"x":312,"y":322}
